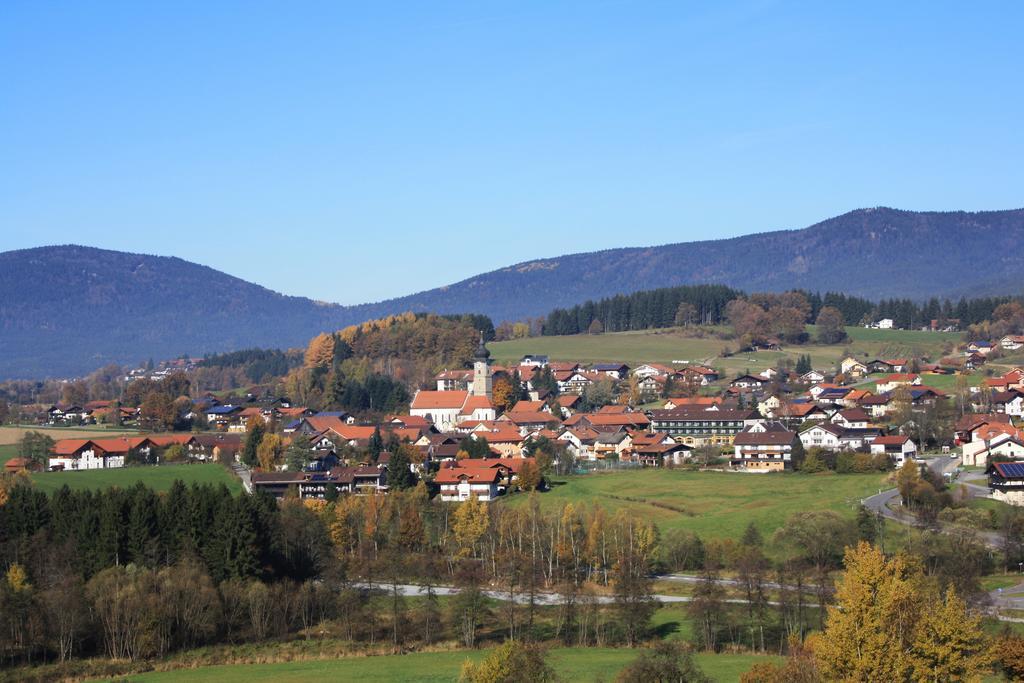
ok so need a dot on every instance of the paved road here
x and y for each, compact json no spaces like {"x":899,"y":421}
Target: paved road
{"x":243,"y":473}
{"x":880,"y":502}
{"x":690,"y":578}
{"x":413,"y":590}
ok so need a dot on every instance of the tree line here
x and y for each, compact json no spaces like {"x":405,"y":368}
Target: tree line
{"x":700,"y":305}
{"x":706,"y":305}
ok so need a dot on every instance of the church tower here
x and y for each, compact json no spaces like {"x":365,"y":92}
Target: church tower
{"x":481,"y":370}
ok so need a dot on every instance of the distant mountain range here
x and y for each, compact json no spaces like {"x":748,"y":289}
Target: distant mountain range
{"x":67,"y":310}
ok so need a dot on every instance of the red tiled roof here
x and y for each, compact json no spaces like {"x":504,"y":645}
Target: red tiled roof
{"x":476,"y":403}
{"x":326,"y":423}
{"x":426,"y":400}
{"x":536,"y":417}
{"x":410,"y":420}
{"x":895,"y":440}
{"x":475,"y":475}
{"x":70,"y":446}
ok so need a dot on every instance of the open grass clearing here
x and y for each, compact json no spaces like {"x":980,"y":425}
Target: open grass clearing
{"x":574,"y":664}
{"x":159,"y":478}
{"x":7,"y":451}
{"x":12,"y":435}
{"x":712,"y":504}
{"x":667,"y":345}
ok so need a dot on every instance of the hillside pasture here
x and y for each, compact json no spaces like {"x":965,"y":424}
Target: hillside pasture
{"x":573,"y":664}
{"x":712,"y":504}
{"x":159,"y":478}
{"x":12,"y":435}
{"x":678,"y":344}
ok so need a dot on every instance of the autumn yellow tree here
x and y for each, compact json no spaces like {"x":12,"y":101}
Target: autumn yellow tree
{"x":890,"y":624}
{"x":469,"y":524}
{"x":949,"y":644}
{"x":908,"y":476}
{"x":343,"y":528}
{"x":529,"y":476}
{"x":17,"y":578}
{"x":320,"y":351}
{"x":269,"y":452}
{"x":1011,"y":656}
{"x":799,"y":667}
{"x":502,"y":394}
{"x":513,"y":661}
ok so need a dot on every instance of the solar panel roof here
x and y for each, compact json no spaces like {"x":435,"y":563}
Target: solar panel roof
{"x":1011,"y":469}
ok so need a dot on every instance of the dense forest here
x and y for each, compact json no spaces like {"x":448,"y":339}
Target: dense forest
{"x":256,"y":364}
{"x":707,"y":305}
{"x":644,"y":310}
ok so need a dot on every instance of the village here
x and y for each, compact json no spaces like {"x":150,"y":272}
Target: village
{"x":585,"y":417}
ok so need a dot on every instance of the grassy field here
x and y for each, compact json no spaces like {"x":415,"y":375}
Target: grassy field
{"x":945,"y":383}
{"x":713,"y":504}
{"x":668,"y":345}
{"x":159,"y":478}
{"x":11,"y":435}
{"x":574,"y":664}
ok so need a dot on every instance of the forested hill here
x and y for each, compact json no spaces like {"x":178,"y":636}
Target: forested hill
{"x":873,"y":253}
{"x":68,"y":310}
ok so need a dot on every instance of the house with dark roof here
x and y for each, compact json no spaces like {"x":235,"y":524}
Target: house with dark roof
{"x":1006,"y":482}
{"x":836,"y":437}
{"x":748,"y":382}
{"x":897,"y":446}
{"x":764,"y":447}
{"x":616,"y":370}
{"x":358,"y":479}
{"x":696,"y":426}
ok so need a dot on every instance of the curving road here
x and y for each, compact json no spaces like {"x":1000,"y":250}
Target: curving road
{"x":880,"y":502}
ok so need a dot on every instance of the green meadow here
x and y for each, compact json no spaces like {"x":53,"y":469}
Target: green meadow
{"x":712,"y":504}
{"x":159,"y":478}
{"x":667,"y":345}
{"x":574,"y":664}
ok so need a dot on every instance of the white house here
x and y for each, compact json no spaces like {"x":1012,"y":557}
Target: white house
{"x":95,"y":454}
{"x":652,"y":370}
{"x":1012,"y":342}
{"x":461,"y":483}
{"x":897,"y":379}
{"x":980,"y":451}
{"x":852,"y":366}
{"x":897,"y":447}
{"x":885,"y":324}
{"x":851,"y":418}
{"x":812,"y":377}
{"x":822,"y":435}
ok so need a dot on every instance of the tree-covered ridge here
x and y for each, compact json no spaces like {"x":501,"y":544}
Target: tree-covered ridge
{"x":255,"y":364}
{"x":136,"y":306}
{"x":709,"y":304}
{"x":870,"y":253}
{"x":367,"y":368}
{"x":644,"y":310}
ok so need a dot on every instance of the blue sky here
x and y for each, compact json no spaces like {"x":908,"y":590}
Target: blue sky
{"x":354,"y":152}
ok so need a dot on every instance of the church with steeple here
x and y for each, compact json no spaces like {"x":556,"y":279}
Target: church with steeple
{"x":448,"y":409}
{"x":482,"y":385}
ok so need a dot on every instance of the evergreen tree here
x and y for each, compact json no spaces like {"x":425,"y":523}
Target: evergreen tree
{"x":256,"y":430}
{"x":376,"y":444}
{"x":803,"y":364}
{"x":400,"y":475}
{"x":142,"y":532}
